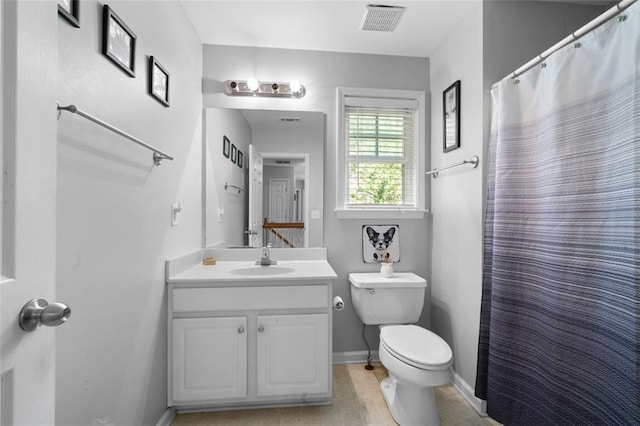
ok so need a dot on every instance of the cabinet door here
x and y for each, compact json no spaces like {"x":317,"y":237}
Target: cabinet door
{"x":293,"y":354}
{"x":209,"y":358}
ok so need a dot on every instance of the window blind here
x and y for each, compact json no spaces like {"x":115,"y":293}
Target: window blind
{"x":380,"y":152}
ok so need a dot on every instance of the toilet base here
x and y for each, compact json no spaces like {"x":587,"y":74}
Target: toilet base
{"x":410,"y":405}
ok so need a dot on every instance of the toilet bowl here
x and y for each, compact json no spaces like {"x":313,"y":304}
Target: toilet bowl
{"x":416,"y":358}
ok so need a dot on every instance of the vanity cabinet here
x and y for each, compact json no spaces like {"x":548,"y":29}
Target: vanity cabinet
{"x":249,"y":345}
{"x":209,"y":358}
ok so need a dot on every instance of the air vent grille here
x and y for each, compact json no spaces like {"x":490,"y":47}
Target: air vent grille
{"x":289,"y":119}
{"x":381,"y":18}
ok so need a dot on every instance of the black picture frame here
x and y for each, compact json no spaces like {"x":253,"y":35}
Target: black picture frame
{"x":240,"y":157}
{"x":226,"y":146}
{"x":234,"y":153}
{"x":70,"y":11}
{"x":451,"y":117}
{"x":158,"y":81}
{"x":118,"y":41}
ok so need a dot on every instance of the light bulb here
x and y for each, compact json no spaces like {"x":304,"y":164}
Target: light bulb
{"x":295,"y":86}
{"x":252,"y":84}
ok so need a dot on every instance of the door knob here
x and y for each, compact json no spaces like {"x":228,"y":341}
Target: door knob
{"x":39,"y":311}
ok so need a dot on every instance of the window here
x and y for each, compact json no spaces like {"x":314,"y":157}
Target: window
{"x":381,"y":153}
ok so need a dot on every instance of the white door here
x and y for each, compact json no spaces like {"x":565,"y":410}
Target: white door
{"x":293,"y":354}
{"x":279,"y":202}
{"x":28,"y":125}
{"x":209,"y":359}
{"x":255,"y":197}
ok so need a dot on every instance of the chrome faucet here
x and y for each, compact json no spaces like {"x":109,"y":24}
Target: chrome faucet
{"x":265,"y":260}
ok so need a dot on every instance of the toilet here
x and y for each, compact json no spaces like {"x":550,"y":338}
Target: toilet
{"x":416,"y":358}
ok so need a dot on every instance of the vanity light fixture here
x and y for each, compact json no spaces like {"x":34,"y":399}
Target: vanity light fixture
{"x":252,"y":87}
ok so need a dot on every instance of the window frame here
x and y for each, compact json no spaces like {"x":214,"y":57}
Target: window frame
{"x":345,"y":211}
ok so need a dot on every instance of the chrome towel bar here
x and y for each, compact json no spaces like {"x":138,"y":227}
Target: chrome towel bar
{"x":474,"y":162}
{"x":158,"y":155}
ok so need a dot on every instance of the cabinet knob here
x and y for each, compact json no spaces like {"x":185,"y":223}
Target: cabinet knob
{"x":260,"y":328}
{"x":240,"y":330}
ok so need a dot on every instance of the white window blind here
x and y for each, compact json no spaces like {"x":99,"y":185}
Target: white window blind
{"x":380,"y":153}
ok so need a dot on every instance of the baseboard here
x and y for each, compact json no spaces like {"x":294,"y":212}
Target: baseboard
{"x":353,"y":357}
{"x":479,"y":405}
{"x":167,"y":417}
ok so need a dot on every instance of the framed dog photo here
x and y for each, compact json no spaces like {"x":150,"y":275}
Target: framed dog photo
{"x":380,"y":243}
{"x":451,"y":117}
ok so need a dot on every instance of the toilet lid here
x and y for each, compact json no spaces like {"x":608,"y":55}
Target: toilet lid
{"x":416,"y":346}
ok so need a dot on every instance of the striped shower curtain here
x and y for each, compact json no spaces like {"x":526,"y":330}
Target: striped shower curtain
{"x":560,"y":319}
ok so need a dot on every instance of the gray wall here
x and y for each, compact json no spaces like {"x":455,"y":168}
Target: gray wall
{"x":113,"y":211}
{"x":322,"y":73}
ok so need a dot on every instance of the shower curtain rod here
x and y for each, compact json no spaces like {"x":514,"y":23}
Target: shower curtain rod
{"x":158,"y":155}
{"x":606,"y":16}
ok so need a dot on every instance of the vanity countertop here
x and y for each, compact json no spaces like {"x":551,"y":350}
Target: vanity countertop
{"x":236,"y":266}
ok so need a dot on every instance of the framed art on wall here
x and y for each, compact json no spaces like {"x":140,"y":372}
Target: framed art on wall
{"x":226,"y":146}
{"x":118,"y":41}
{"x":158,"y":81}
{"x":234,"y":153}
{"x":239,"y":162}
{"x":70,"y":11}
{"x":451,"y":117}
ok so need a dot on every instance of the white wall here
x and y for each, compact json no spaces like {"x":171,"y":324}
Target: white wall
{"x":229,"y":230}
{"x":456,"y":197}
{"x":113,"y":211}
{"x":322,"y":73}
{"x":496,"y":38}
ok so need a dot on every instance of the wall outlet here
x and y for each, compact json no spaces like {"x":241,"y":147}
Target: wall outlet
{"x":315,"y":214}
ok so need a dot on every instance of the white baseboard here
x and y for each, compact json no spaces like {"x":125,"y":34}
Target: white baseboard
{"x":479,"y":405}
{"x":167,"y":417}
{"x":353,"y":357}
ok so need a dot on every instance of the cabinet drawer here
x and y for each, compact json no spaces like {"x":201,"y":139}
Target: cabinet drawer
{"x":250,"y":298}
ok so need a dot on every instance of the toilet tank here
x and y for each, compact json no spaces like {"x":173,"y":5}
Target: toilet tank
{"x":395,"y":300}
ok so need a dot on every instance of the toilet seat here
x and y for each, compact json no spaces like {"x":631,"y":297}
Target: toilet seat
{"x":416,"y":346}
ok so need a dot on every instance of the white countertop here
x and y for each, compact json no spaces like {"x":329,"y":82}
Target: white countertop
{"x":234,"y":266}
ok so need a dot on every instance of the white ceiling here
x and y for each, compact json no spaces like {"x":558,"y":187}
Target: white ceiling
{"x":326,"y":25}
{"x":332,"y":26}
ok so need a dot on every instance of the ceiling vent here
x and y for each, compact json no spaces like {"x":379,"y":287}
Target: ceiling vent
{"x":290,"y":119}
{"x":381,"y":18}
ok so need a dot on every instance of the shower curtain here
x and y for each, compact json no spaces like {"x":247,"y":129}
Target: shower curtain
{"x":560,"y":327}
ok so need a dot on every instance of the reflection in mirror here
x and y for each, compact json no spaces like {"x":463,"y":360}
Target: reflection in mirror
{"x":272,"y":169}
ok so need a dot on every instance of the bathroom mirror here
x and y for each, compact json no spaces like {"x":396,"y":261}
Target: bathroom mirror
{"x":263,"y":165}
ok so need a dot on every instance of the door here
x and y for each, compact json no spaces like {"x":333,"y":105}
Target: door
{"x":28,"y":240}
{"x":209,"y":359}
{"x":279,"y":204}
{"x":254,"y":229}
{"x":293,"y":354}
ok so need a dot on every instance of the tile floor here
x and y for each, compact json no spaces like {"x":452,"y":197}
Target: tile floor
{"x":357,"y":401}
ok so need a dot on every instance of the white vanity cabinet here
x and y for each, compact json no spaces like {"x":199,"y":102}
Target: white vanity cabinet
{"x":249,"y":344}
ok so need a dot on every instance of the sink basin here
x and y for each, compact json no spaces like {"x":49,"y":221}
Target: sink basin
{"x":262,"y":270}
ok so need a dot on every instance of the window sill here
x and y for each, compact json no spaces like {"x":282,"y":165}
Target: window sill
{"x":380,"y":214}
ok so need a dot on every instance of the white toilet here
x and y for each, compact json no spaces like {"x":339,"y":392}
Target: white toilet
{"x":416,"y":358}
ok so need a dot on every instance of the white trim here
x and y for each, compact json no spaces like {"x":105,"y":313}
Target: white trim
{"x":167,"y":417}
{"x":364,"y":213}
{"x":354,"y":357}
{"x":478,"y":405}
{"x":352,"y":213}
